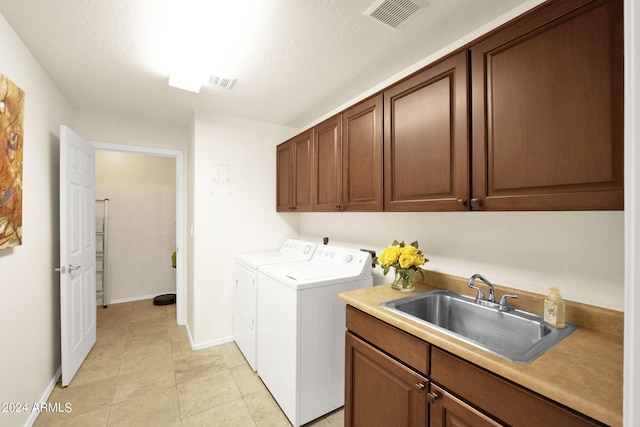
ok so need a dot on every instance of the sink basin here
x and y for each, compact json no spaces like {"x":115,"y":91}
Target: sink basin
{"x":515,"y":335}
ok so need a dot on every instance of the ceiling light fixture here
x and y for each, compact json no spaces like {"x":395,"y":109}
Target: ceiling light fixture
{"x":186,"y":81}
{"x":184,"y":30}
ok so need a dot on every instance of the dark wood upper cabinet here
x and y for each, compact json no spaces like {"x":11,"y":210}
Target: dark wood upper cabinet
{"x":284,"y":177}
{"x":547,"y":111}
{"x":327,"y":162}
{"x":426,"y":141}
{"x":294,"y":174}
{"x":348,"y":159}
{"x":529,"y":117}
{"x":362,"y":186}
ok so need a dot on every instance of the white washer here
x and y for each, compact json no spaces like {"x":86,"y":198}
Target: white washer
{"x":245,"y":274}
{"x":302,"y":324}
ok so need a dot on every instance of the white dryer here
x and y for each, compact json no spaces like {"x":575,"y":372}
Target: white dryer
{"x":245,"y":275}
{"x":302,"y":324}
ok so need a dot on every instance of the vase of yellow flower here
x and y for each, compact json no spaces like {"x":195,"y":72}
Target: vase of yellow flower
{"x":405,"y":259}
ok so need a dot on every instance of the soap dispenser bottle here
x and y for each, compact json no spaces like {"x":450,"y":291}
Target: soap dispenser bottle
{"x":554,"y":308}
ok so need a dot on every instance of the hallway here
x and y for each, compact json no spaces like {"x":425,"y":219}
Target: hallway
{"x":142,"y":372}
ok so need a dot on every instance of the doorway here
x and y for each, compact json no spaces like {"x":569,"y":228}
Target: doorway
{"x":180,"y":246}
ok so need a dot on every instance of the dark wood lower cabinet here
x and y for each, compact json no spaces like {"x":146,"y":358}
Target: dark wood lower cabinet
{"x":445,"y":410}
{"x":514,"y":405}
{"x":395,"y":379}
{"x":381,"y":391}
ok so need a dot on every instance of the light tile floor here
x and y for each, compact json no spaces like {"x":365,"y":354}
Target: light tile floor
{"x":142,"y":372}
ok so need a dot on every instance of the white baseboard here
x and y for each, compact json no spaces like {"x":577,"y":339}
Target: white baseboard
{"x":208,"y":344}
{"x":44,"y":397}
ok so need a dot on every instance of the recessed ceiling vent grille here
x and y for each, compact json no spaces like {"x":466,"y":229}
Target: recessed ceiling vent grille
{"x":393,"y":12}
{"x":221,"y":81}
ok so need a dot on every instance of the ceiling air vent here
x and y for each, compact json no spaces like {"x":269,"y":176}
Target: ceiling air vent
{"x":221,"y":81}
{"x":393,"y":12}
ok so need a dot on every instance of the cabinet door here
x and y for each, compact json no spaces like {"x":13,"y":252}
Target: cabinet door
{"x":294,"y":173}
{"x":379,"y":391}
{"x":514,"y":405}
{"x":547,"y":111}
{"x":426,"y":161}
{"x":446,"y":410}
{"x":362,"y":156}
{"x":284,"y":178}
{"x":327,"y":148}
{"x":302,"y":172}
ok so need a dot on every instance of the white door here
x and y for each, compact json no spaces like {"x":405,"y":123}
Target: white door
{"x":77,"y":251}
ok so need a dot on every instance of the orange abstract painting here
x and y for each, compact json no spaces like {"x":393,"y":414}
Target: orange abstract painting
{"x":11,"y":131}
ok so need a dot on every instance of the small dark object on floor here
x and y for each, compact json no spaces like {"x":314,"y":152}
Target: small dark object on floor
{"x":166,"y":299}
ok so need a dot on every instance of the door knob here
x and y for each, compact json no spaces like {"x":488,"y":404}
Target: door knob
{"x":67,"y":269}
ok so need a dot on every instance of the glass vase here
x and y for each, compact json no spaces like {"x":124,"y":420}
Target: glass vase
{"x":402,"y":283}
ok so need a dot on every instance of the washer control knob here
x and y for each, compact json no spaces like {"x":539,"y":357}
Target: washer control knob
{"x":349,"y":258}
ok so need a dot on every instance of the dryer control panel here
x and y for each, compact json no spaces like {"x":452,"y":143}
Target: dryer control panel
{"x":349,"y":258}
{"x":298,"y":247}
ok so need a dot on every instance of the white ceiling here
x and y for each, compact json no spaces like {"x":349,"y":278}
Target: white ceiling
{"x":307,"y":58}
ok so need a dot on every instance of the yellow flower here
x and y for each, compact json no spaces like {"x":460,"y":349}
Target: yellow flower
{"x":419,"y":260}
{"x":390,"y":255}
{"x":406,"y":260}
{"x":409,"y":250}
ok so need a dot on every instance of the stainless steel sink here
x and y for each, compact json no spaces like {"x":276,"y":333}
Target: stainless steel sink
{"x":515,"y":335}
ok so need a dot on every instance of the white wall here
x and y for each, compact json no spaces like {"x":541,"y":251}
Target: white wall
{"x":142,"y":231}
{"x":231,"y":217}
{"x":30,"y":303}
{"x":120,"y":130}
{"x":581,"y":252}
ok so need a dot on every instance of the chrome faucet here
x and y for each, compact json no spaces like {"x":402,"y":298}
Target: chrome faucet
{"x":480,"y":296}
{"x":490,"y":301}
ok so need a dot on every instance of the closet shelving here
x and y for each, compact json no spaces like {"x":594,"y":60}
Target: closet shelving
{"x":103,"y":291}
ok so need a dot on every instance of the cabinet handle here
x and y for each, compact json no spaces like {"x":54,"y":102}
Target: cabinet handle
{"x":419,"y":387}
{"x":475,"y":202}
{"x":431,"y":397}
{"x":461,"y":202}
